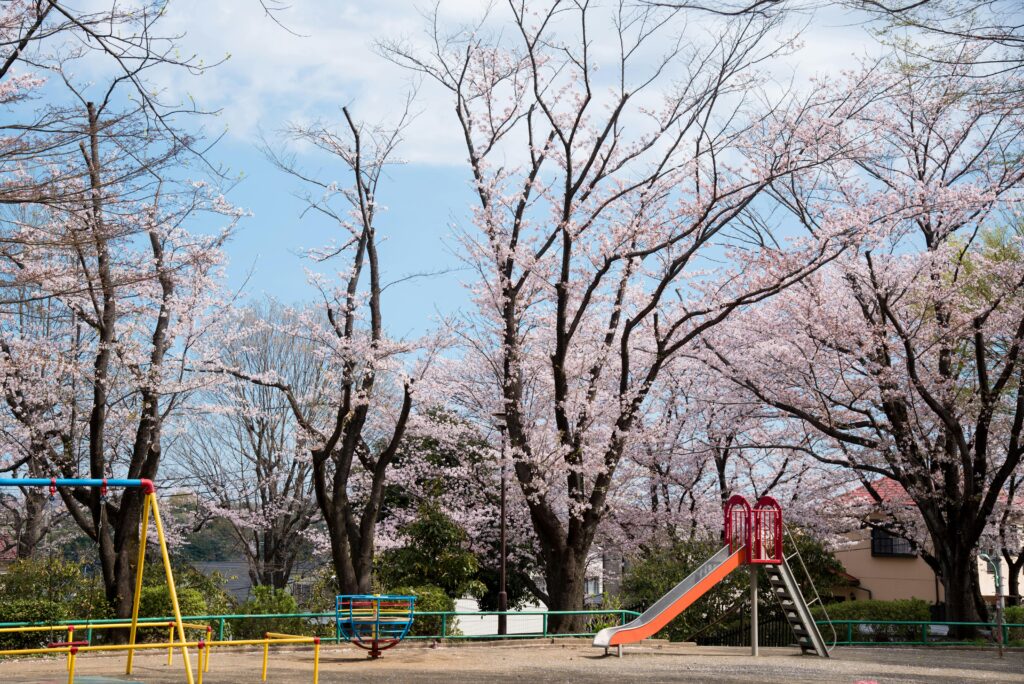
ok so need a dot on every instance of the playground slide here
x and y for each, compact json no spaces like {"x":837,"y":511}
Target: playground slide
{"x":678,"y":599}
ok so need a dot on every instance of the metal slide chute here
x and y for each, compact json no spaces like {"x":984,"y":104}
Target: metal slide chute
{"x":678,"y":599}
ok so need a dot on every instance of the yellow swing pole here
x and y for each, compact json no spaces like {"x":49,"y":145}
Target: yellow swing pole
{"x":151,"y":496}
{"x":138,"y":581}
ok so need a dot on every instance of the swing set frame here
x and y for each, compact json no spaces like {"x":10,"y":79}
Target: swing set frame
{"x":149,"y":505}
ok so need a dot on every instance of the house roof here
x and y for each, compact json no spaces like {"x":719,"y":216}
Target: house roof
{"x":890,"y":491}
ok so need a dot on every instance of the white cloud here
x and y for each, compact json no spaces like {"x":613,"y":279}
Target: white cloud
{"x":273,"y":77}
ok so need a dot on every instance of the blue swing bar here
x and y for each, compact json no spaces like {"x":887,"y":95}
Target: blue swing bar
{"x":144,"y":484}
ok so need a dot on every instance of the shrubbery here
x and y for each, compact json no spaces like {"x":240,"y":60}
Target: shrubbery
{"x":50,"y":590}
{"x":906,"y":609}
{"x":868,"y":611}
{"x":267,"y":601}
{"x":429,"y":599}
{"x":1014,"y":615}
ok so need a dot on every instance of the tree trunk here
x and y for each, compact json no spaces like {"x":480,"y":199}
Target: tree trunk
{"x":1013,"y":585}
{"x":565,"y":573}
{"x":350,"y":578}
{"x":963,"y":595}
{"x":1014,"y":564}
{"x":34,"y":524}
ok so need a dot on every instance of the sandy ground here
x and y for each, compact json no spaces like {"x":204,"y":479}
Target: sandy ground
{"x":573,"y":662}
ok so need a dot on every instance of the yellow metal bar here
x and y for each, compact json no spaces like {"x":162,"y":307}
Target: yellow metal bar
{"x":170,"y":586}
{"x":260,"y":642}
{"x":41,"y":628}
{"x":266,"y":656}
{"x":209,"y":638}
{"x":71,"y":667}
{"x":203,"y":653}
{"x":279,"y":635}
{"x":170,"y":643}
{"x":144,"y":646}
{"x":143,"y":524}
{"x":71,"y":637}
{"x":35,"y":651}
{"x":136,"y":647}
{"x":316,"y":661}
{"x":83,"y":625}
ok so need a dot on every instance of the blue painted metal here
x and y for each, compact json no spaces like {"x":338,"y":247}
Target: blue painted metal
{"x":67,"y":482}
{"x":374,"y":622}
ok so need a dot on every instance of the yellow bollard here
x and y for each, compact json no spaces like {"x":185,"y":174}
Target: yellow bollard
{"x":209,"y":651}
{"x":170,"y":640}
{"x":266,"y":655}
{"x":71,"y":637}
{"x":203,"y":652}
{"x":71,"y":667}
{"x":316,"y":660}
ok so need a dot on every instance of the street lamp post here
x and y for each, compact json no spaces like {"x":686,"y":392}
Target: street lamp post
{"x":503,"y":553}
{"x":994,"y":562}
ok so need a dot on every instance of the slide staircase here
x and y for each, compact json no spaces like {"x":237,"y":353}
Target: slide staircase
{"x":796,"y":609}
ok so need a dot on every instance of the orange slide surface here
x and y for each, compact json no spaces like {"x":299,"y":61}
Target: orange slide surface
{"x":629,"y":633}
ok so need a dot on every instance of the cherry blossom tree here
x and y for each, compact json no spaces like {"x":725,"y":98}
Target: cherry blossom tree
{"x":905,"y":352}
{"x":241,"y":452}
{"x":46,"y":45}
{"x":126,"y":288}
{"x":606,"y":200}
{"x":365,"y":401}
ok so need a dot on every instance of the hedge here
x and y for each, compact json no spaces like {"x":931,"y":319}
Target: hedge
{"x":870,"y":611}
{"x":429,"y":599}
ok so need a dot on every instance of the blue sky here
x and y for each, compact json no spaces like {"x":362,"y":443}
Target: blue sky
{"x":423,"y":201}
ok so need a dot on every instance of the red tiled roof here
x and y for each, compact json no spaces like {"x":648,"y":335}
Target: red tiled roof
{"x":891,"y":492}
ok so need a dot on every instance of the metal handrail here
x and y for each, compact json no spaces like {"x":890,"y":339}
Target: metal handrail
{"x":810,"y":581}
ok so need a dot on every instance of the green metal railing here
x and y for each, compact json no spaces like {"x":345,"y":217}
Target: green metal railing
{"x":898,"y":632}
{"x":850,"y":632}
{"x":448,"y":622}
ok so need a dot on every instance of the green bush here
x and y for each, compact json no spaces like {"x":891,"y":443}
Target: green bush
{"x":55,"y":579}
{"x":900,"y":610}
{"x":210,"y":587}
{"x":267,"y":601}
{"x":595,"y":623}
{"x":1014,"y":615}
{"x":435,"y":556}
{"x":429,"y":599}
{"x":32,"y":610}
{"x":156,"y":601}
{"x":48,"y":590}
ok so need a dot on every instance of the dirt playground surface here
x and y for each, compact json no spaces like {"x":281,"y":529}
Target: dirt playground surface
{"x":542,"y":663}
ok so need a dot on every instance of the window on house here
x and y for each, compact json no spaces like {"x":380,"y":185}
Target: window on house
{"x":885,"y":544}
{"x":593,"y":586}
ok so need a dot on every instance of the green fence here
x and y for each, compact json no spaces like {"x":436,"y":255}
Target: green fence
{"x":535,"y":624}
{"x":918,"y":632}
{"x":521,"y":625}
